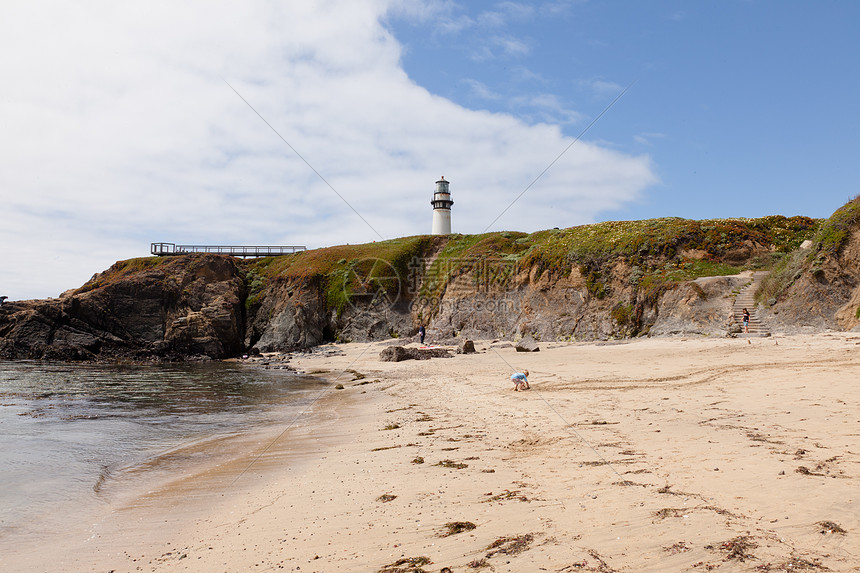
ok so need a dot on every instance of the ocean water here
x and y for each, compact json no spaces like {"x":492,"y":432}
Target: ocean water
{"x":71,"y":434}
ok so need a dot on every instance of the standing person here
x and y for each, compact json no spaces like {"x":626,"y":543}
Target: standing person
{"x":421,"y":333}
{"x":746,"y":321}
{"x":521,"y":380}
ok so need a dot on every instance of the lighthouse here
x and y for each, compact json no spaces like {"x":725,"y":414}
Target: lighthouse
{"x":442,"y":208}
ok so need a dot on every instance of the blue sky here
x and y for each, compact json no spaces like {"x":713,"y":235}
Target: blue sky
{"x":747,"y":108}
{"x":120,"y":128}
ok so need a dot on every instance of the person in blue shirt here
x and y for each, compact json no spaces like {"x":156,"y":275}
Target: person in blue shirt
{"x":521,"y":380}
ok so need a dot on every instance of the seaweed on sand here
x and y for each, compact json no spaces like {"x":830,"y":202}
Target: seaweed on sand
{"x":803,"y":470}
{"x":830,"y":527}
{"x":679,"y":547}
{"x":455,"y":527}
{"x":510,"y":545}
{"x":793,"y":565}
{"x":407,"y":565}
{"x":452,"y":464}
{"x":737,"y":548}
{"x":506,"y":495}
{"x":670,"y":512}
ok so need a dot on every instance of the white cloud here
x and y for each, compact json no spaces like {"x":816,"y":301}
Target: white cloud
{"x":424,"y":11}
{"x":449,"y":18}
{"x":526,"y":75}
{"x":546,"y":108}
{"x":480,"y":90}
{"x":602,"y":87}
{"x":559,"y":6}
{"x":500,"y":47}
{"x":118,"y":131}
{"x":648,"y":137}
{"x":511,"y":46}
{"x":504,"y":13}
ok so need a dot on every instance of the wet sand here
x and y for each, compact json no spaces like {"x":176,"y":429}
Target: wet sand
{"x":654,"y":455}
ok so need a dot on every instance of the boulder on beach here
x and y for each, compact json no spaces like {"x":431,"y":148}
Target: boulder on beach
{"x":400,"y":353}
{"x":527,"y":344}
{"x":466,"y":347}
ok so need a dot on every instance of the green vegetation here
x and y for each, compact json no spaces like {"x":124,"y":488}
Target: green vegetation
{"x":623,"y":314}
{"x":686,"y":270}
{"x":661,"y":251}
{"x":786,"y":271}
{"x":827,"y":241}
{"x":833,"y":233}
{"x":657,"y":252}
{"x":594,"y":281}
{"x":638,"y":241}
{"x":348,"y":271}
{"x":120,"y":270}
{"x":464,"y":253}
{"x":256,"y":287}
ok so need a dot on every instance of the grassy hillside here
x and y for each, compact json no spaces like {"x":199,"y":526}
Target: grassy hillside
{"x":828,"y":240}
{"x":659,"y":250}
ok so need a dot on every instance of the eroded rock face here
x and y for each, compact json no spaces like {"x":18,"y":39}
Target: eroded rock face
{"x":700,"y":307}
{"x":289,"y":316}
{"x":824,"y":295}
{"x":176,"y":308}
{"x":198,"y":305}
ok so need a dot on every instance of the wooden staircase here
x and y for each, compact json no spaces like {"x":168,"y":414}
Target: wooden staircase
{"x":746,"y":299}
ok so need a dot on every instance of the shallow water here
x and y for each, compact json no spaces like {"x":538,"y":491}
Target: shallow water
{"x":71,"y":434}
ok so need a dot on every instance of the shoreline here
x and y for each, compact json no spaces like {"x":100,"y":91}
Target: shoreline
{"x":656,"y":455}
{"x":161,"y":492}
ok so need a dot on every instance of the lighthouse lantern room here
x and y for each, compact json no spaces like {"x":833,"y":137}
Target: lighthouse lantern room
{"x":442,"y":208}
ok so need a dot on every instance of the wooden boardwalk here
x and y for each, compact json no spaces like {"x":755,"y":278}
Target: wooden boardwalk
{"x":169,"y":249}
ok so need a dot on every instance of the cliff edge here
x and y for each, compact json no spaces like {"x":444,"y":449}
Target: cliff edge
{"x":604,"y":281}
{"x":818,"y":286}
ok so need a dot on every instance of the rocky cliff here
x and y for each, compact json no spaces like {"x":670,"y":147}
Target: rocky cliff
{"x":608,"y":280}
{"x":818,"y":286}
{"x":173,"y":308}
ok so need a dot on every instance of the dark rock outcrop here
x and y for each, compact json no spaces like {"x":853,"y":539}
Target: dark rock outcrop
{"x":401,"y":353}
{"x":171,"y":308}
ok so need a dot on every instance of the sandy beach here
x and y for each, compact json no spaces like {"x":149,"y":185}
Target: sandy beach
{"x":653,"y":455}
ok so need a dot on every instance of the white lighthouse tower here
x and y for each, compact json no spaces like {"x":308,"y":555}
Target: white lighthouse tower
{"x":442,"y":208}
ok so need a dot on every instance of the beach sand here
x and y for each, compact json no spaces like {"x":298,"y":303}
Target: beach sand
{"x":652,"y":455}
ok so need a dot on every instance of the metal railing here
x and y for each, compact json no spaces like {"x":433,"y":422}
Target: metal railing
{"x":167,"y":249}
